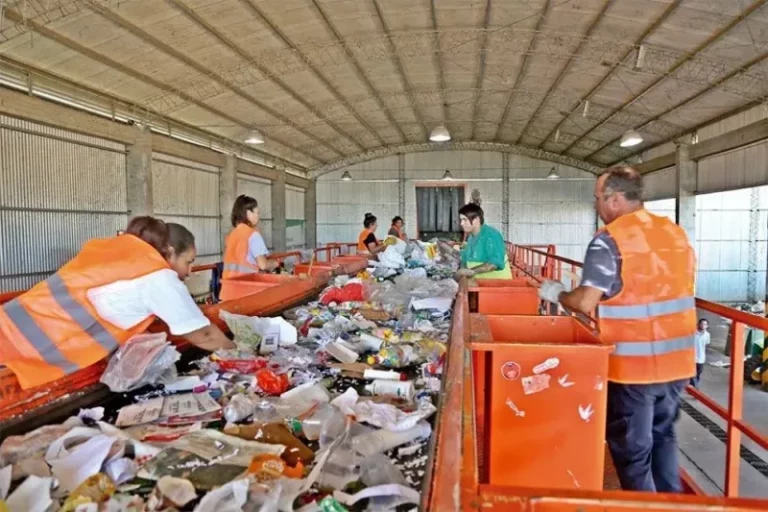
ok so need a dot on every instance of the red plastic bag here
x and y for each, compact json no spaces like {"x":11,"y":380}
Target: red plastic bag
{"x":245,"y":366}
{"x":271,"y":383}
{"x":350,"y":292}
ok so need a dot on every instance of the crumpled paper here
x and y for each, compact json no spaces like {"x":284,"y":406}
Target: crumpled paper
{"x":384,"y":416}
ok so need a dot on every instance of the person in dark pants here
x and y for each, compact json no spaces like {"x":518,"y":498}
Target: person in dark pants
{"x":702,"y":340}
{"x":639,"y":275}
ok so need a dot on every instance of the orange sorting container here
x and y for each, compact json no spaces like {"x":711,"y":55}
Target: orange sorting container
{"x":544,"y":401}
{"x":506,"y":297}
{"x":247,"y":285}
{"x":317,"y":268}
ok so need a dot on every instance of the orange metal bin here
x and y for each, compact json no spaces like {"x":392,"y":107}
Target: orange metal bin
{"x":545,"y":402}
{"x":317,"y":268}
{"x":506,"y":297}
{"x":247,"y":285}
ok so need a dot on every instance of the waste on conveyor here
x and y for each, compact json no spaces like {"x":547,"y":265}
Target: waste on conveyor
{"x":329,"y":407}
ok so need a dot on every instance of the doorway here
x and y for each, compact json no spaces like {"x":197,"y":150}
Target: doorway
{"x":437,"y":211}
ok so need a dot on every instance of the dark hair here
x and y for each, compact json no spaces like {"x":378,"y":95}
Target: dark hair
{"x":624,"y":180}
{"x":180,"y":238}
{"x":398,"y":218}
{"x":243,"y":204}
{"x":472,"y":211}
{"x":369,"y":220}
{"x":702,"y":320}
{"x":151,"y":230}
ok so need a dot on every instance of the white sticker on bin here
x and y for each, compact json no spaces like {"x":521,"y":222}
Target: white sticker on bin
{"x":549,"y":364}
{"x":564,"y":382}
{"x":514,"y":408}
{"x":586,"y":412}
{"x":535,"y":383}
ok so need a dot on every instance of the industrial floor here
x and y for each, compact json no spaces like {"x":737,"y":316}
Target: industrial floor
{"x":702,"y":433}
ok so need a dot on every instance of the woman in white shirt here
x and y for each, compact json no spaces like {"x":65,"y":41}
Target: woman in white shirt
{"x":702,"y":340}
{"x":111,"y":290}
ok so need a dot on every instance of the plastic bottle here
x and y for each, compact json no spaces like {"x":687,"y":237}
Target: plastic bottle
{"x":240,"y":407}
{"x":380,"y":441}
{"x":313,"y":426}
{"x":383,"y":375}
{"x":393,"y":388}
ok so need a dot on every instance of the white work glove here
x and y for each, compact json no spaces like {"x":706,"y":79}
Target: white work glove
{"x":465,"y":272}
{"x":551,"y":290}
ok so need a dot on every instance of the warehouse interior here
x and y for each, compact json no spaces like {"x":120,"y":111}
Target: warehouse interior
{"x":325,"y":110}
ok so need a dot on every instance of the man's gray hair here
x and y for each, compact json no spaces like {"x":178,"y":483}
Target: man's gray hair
{"x":624,"y":180}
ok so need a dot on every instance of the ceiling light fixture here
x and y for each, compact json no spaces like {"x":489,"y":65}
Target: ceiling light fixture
{"x":557,"y":136}
{"x":254,"y":137}
{"x":553,"y":174}
{"x":440,"y":134}
{"x":586,"y":109}
{"x":447,"y":176}
{"x":346,"y":176}
{"x":640,"y":62}
{"x":630,"y":138}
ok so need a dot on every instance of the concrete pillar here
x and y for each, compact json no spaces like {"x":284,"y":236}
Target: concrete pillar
{"x":310,"y":214}
{"x":401,"y":185}
{"x":139,"y":174}
{"x":505,"y":195}
{"x":278,"y":212}
{"x":686,"y":177}
{"x":227,"y":195}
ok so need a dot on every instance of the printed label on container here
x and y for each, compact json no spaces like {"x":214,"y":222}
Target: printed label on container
{"x":510,"y":371}
{"x":535,"y":383}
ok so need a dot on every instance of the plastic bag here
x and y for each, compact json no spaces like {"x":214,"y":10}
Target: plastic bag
{"x":271,"y":383}
{"x":392,"y":258}
{"x":143,"y":360}
{"x":264,"y":334}
{"x":349,"y":292}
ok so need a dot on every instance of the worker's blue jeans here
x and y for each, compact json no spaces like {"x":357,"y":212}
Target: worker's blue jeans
{"x":641,"y":435}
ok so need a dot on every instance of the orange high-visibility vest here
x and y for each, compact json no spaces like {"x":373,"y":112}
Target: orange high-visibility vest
{"x":236,"y":253}
{"x":400,"y":234}
{"x":53,"y":330}
{"x":361,"y":247}
{"x":652,"y":321}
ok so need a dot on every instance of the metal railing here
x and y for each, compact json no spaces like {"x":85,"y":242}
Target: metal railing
{"x":541,"y":262}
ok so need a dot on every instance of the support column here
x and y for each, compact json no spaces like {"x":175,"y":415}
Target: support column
{"x":505,"y":196}
{"x":227,"y":194}
{"x":754,"y":222}
{"x":686,"y":177}
{"x":401,"y":185}
{"x":278,"y":212}
{"x":310,"y":214}
{"x":139,"y":174}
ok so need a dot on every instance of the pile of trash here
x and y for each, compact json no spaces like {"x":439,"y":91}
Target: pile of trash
{"x":329,"y":407}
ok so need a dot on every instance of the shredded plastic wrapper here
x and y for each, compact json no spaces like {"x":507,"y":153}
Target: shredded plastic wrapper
{"x":144,"y":359}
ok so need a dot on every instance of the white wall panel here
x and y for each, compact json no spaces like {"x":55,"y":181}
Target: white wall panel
{"x":187,"y":193}
{"x":57,"y":190}
{"x":746,"y":167}
{"x":261,"y":190}
{"x":295,"y":218}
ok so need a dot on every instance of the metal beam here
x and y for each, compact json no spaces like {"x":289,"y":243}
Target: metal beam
{"x":106,"y":61}
{"x":750,"y":134}
{"x":254,"y":9}
{"x":690,"y":55}
{"x":437,"y":51}
{"x":399,"y":65}
{"x":648,"y":31}
{"x":481,"y":69}
{"x":740,"y":70}
{"x":191,"y":14}
{"x":523,"y":66}
{"x":561,"y":75}
{"x":121,"y":22}
{"x":423,"y":147}
{"x":359,"y":70}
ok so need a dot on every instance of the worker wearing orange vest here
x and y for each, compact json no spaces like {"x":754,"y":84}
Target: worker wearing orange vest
{"x":245,"y":252}
{"x":396,"y":229}
{"x":112,"y":290}
{"x":367,"y":243}
{"x":639,"y":275}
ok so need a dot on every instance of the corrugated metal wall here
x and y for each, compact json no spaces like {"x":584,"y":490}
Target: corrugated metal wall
{"x":187,"y":193}
{"x":261,"y":190}
{"x":541,"y":210}
{"x":295,"y":231}
{"x":660,"y":184}
{"x":57,"y":190}
{"x":341,"y":205}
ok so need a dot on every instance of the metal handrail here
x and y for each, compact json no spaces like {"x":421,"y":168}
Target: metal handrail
{"x":551,"y":268}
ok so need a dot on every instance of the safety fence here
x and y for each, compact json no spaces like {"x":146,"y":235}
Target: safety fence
{"x":541,"y":262}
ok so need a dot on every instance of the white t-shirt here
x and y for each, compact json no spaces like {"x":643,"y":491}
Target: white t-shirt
{"x":161,"y":293}
{"x":702,"y":340}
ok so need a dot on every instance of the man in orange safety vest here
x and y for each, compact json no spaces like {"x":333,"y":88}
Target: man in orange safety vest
{"x":639,"y":275}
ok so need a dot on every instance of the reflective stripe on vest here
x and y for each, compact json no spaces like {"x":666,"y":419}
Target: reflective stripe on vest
{"x":236,"y":267}
{"x":653,"y":348}
{"x":47,"y":349}
{"x":635,"y":312}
